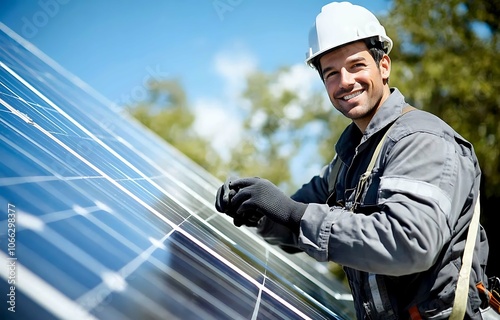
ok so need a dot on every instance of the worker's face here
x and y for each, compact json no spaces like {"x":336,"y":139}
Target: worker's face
{"x":355,"y":85}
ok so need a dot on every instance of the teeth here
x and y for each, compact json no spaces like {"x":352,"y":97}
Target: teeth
{"x":350,"y":96}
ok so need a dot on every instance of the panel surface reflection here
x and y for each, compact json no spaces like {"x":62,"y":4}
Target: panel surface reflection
{"x":113,"y":223}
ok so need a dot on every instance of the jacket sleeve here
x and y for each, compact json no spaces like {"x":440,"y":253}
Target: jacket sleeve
{"x":315,"y":191}
{"x":420,"y":198}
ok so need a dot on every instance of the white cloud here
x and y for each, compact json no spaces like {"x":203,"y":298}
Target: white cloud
{"x":258,"y":119}
{"x":293,"y":111}
{"x":300,"y":79}
{"x":234,"y":66}
{"x":304,"y":82}
{"x":214,"y":122}
{"x":220,"y":118}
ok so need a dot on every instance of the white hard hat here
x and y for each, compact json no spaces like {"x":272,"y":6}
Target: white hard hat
{"x":340,"y":23}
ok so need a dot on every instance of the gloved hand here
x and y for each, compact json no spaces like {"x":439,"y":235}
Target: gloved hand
{"x":262,"y":196}
{"x":223,"y":197}
{"x":223,"y":204}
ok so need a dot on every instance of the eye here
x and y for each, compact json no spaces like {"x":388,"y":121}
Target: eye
{"x":359,"y":65}
{"x":329,"y":74}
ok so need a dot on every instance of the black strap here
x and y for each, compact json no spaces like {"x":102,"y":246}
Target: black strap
{"x":334,"y":173}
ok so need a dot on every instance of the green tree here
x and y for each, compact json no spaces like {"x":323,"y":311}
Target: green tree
{"x":166,"y":112}
{"x":446,"y":61}
{"x":278,"y":124}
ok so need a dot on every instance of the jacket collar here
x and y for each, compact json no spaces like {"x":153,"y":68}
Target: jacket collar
{"x":390,"y":110}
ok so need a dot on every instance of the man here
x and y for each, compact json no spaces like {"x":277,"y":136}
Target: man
{"x":400,"y":235}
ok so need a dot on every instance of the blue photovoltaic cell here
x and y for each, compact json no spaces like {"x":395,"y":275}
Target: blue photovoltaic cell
{"x":100,"y":218}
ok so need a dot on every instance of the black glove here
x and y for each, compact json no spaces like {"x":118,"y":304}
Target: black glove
{"x":223,"y":197}
{"x":223,"y":204}
{"x":262,"y":196}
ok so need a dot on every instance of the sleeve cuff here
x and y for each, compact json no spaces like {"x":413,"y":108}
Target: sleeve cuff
{"x":315,"y":230}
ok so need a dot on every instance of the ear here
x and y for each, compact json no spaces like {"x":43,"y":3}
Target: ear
{"x":385,"y":67}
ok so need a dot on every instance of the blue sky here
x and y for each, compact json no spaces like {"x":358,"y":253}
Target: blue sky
{"x":209,"y":45}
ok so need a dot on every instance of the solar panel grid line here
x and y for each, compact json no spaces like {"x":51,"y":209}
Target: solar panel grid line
{"x":259,"y":296}
{"x":74,"y":153}
{"x":222,"y":277}
{"x":57,"y":67}
{"x":55,"y":216}
{"x":167,"y":175}
{"x":16,"y":112}
{"x":62,"y":314}
{"x":46,"y":295}
{"x":27,"y":179}
{"x":51,"y":265}
{"x":40,"y":224}
{"x":37,"y":161}
{"x":194,"y":174}
{"x":124,"y":272}
{"x":62,"y":112}
{"x":258,"y":300}
{"x":35,"y":107}
{"x":120,"y":275}
{"x":59,"y":161}
{"x":161,"y":202}
{"x":300,"y":270}
{"x":94,"y":264}
{"x":244,"y":275}
{"x":92,"y":136}
{"x":49,"y":116}
{"x":89,"y":299}
{"x":37,"y":179}
{"x":201,"y":313}
{"x":33,"y":223}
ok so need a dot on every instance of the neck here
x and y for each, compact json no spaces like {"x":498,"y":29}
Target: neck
{"x":362,"y":123}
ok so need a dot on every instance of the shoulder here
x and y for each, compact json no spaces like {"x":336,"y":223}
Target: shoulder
{"x":428,"y":127}
{"x":419,"y":121}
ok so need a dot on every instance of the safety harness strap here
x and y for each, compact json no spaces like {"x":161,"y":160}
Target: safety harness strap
{"x":368,"y":172}
{"x":462,"y":291}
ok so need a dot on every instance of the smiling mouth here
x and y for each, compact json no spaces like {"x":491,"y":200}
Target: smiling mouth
{"x":352,"y":95}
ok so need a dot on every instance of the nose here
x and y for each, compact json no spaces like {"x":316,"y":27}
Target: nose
{"x":346,"y":79}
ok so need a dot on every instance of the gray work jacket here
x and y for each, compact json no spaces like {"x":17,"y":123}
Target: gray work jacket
{"x":401,"y":246}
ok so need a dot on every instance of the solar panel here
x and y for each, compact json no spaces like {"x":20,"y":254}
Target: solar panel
{"x":101,"y":219}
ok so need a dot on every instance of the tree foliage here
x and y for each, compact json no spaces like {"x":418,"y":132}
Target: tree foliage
{"x":279,"y":123}
{"x":446,"y":57}
{"x":445,"y":61}
{"x":276,"y":126}
{"x":167,"y":112}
